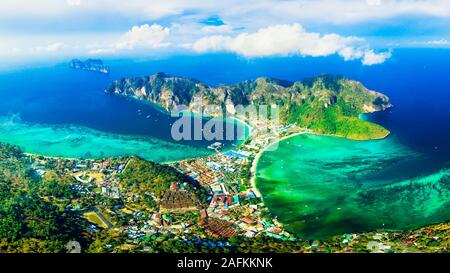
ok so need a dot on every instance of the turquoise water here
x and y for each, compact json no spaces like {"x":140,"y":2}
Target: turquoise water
{"x":74,"y":141}
{"x":57,"y":111}
{"x":321,"y":186}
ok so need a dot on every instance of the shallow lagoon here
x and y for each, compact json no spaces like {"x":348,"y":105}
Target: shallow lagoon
{"x":325,"y":186}
{"x":73,"y":141}
{"x":57,"y":111}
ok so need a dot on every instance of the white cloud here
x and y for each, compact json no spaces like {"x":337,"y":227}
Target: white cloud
{"x":351,"y":53}
{"x":102,"y":51}
{"x":50,"y":48}
{"x":265,"y":11}
{"x":152,"y":39}
{"x":138,"y":38}
{"x":290,"y":39}
{"x":440,"y":42}
{"x":351,"y":11}
{"x":81,"y":26}
{"x":143,"y":9}
{"x":371,"y":58}
{"x":146,"y":36}
{"x":212,"y":43}
{"x":217,"y":29}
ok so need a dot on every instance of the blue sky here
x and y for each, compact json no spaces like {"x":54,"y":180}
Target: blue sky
{"x":364,"y":30}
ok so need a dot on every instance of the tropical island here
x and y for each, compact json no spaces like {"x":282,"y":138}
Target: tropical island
{"x":207,"y":204}
{"x":94,"y":65}
{"x":324,"y":105}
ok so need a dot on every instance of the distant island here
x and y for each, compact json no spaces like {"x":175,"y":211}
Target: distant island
{"x":325,"y":104}
{"x":95,"y":65}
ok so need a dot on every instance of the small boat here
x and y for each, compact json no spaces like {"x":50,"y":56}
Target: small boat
{"x":215,"y":146}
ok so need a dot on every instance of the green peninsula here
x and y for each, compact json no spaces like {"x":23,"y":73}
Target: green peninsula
{"x":326,"y":104}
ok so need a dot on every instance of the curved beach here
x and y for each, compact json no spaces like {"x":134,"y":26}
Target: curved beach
{"x":257,"y":158}
{"x":329,"y":186}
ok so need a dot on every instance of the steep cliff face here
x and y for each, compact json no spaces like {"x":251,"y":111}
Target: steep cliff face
{"x":319,"y":92}
{"x":325,"y":103}
{"x":160,"y":88}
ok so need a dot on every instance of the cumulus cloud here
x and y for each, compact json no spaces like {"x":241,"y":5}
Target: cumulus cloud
{"x":290,"y":39}
{"x":212,"y":43}
{"x":82,"y":18}
{"x":351,"y":53}
{"x":138,"y":38}
{"x":147,"y":36}
{"x":371,"y":58}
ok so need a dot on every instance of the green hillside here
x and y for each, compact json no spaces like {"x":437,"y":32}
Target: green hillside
{"x":326,"y":104}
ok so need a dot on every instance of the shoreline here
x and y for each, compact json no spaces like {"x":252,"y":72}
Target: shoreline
{"x":245,"y":125}
{"x":240,"y":121}
{"x":255,"y":161}
{"x":253,"y":137}
{"x":56,"y":157}
{"x":258,"y":157}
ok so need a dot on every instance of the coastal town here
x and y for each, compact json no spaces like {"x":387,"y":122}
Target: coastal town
{"x":234,"y":206}
{"x":231,"y":209}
